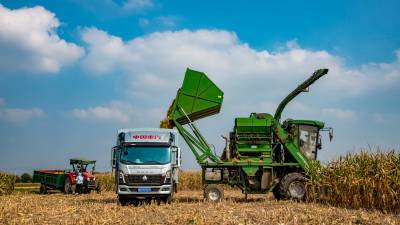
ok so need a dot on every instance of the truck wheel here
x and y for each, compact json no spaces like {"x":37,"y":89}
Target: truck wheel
{"x":43,"y":189}
{"x":67,"y":186}
{"x":122,"y":201}
{"x":292,"y":186}
{"x":213,"y":193}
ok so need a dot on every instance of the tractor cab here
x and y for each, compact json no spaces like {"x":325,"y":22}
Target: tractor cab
{"x":308,"y":137}
{"x":84,"y":166}
{"x":87,"y":168}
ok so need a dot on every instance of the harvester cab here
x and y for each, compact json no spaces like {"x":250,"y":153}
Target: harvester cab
{"x":261,"y":154}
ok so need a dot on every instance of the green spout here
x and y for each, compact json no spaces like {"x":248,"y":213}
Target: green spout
{"x":302,"y":87}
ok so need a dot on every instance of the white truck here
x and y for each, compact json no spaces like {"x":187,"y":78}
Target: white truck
{"x":146,"y":164}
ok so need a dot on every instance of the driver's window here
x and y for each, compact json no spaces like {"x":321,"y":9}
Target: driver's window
{"x":308,"y":136}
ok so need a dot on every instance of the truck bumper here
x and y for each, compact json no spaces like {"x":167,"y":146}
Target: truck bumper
{"x":133,"y":191}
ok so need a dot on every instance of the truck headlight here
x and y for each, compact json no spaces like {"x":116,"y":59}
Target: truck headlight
{"x":167,"y":179}
{"x":168,"y":174}
{"x":121,"y":177}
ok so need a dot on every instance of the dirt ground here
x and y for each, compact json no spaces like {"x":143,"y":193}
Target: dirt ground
{"x":188,"y":207}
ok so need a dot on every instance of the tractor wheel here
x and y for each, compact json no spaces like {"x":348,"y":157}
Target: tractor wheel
{"x":213,"y":193}
{"x":67,"y":186}
{"x":98,"y":188}
{"x":292,"y":186}
{"x":43,"y":189}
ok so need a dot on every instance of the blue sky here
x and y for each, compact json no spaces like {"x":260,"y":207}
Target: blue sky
{"x":73,"y":72}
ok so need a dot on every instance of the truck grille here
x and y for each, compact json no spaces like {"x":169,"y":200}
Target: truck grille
{"x":144,"y":179}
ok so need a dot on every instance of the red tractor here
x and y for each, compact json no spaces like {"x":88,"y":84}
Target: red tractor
{"x":66,"y":180}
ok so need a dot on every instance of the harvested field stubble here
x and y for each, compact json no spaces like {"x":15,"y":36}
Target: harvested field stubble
{"x":7,"y":183}
{"x":364,"y":180}
{"x":187,"y":208}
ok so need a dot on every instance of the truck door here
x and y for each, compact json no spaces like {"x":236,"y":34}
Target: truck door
{"x":176,"y":156}
{"x":114,"y":153}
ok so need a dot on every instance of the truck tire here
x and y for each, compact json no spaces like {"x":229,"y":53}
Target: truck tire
{"x":122,"y":201}
{"x":213,"y":193}
{"x":67,"y":186}
{"x":292,"y":186}
{"x":43,"y":189}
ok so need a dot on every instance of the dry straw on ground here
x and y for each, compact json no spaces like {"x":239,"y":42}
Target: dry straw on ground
{"x":7,"y":182}
{"x":367,"y":180}
{"x":188,"y":207}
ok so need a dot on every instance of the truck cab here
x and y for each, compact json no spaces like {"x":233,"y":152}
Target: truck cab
{"x":146,"y":163}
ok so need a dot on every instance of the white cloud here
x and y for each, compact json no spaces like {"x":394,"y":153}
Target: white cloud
{"x":143,"y":23}
{"x":17,"y":115}
{"x":229,"y":62}
{"x":118,"y":111}
{"x":29,"y":42}
{"x":138,"y":5}
{"x":168,"y":22}
{"x":340,"y":114}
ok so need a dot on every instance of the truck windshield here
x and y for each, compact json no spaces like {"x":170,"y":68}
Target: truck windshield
{"x":145,"y":155}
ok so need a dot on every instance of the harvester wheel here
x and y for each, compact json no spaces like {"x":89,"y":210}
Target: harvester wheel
{"x":213,"y":193}
{"x":67,"y":186}
{"x":43,"y":189}
{"x":276,"y":192}
{"x":292,"y":186}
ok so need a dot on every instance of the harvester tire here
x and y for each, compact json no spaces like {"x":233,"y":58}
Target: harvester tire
{"x":276,"y":192}
{"x":213,"y":193}
{"x":292,"y":186}
{"x":43,"y":189}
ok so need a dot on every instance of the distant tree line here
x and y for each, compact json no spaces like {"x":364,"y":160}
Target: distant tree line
{"x":24,"y":178}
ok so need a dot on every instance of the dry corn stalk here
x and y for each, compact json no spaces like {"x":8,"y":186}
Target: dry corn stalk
{"x":7,"y":183}
{"x":364,"y":180}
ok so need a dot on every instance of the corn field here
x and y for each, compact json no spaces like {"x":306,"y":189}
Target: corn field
{"x":7,"y":182}
{"x":363,"y":180}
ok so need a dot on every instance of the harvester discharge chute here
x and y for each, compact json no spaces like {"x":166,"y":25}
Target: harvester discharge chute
{"x":198,"y":97}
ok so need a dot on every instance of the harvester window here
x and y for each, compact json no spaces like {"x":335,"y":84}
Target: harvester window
{"x":308,"y":136}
